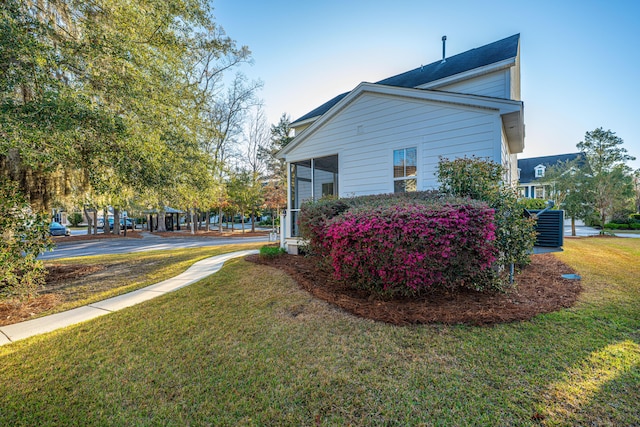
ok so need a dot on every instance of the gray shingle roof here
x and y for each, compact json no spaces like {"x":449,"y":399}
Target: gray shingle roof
{"x":527,"y":166}
{"x":460,"y":63}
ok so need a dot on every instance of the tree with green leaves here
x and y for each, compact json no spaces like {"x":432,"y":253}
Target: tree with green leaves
{"x":275,"y":191}
{"x":568,"y":185}
{"x":636,"y":186}
{"x":482,"y":179}
{"x":609,"y":180}
{"x":97,"y":96}
{"x":245,"y":192}
{"x":24,"y":235}
{"x":280,"y":138}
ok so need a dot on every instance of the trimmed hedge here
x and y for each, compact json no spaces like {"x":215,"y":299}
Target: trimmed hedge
{"x":314,"y":215}
{"x":411,"y":247}
{"x":392,"y":244}
{"x":616,"y":226}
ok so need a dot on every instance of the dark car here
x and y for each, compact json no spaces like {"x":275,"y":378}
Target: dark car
{"x":129,"y":224}
{"x":57,"y":229}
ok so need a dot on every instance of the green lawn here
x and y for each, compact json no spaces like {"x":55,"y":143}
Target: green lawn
{"x":124,"y":273}
{"x":246,"y":347}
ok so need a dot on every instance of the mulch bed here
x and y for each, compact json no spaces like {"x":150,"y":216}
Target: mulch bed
{"x":59,"y":273}
{"x":14,"y":311}
{"x":540,"y":289}
{"x":18,"y":311}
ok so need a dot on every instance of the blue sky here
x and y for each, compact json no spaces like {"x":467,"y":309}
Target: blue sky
{"x":580,"y":59}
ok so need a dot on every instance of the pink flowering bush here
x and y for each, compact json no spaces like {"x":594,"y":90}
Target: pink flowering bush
{"x":412,"y":246}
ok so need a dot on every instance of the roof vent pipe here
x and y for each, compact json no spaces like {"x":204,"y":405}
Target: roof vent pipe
{"x":444,"y":42}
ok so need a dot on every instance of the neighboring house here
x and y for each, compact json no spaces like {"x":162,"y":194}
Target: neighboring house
{"x":532,"y":171}
{"x":388,"y":136}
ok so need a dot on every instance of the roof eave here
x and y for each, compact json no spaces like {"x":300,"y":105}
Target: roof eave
{"x":476,"y":72}
{"x":513,"y":123}
{"x":304,"y":122}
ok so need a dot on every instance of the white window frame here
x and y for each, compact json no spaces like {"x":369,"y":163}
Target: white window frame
{"x":404,"y":177}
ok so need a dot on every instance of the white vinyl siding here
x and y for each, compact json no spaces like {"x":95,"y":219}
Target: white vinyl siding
{"x":495,"y":84}
{"x":367,"y":130}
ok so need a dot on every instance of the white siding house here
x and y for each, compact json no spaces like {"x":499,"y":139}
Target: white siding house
{"x":388,"y":136}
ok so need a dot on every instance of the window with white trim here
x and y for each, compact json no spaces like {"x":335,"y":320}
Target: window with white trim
{"x":540,"y":171}
{"x":405,"y":170}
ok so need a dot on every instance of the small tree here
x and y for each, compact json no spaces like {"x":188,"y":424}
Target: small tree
{"x":569,"y":189}
{"x":609,"y":178}
{"x":24,"y":236}
{"x":482,"y":180}
{"x":75,"y":219}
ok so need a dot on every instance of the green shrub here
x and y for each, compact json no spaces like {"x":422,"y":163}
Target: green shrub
{"x":482,"y":180}
{"x":268,"y":222}
{"x":271,"y":251}
{"x":621,"y":217}
{"x":615,"y":226}
{"x":25,"y":235}
{"x":635,"y":216}
{"x":534,"y":203}
{"x":75,"y":219}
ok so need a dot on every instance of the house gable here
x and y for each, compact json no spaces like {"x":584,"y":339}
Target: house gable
{"x":497,"y":59}
{"x":510,"y":112}
{"x":528,"y":166}
{"x":366,"y":128}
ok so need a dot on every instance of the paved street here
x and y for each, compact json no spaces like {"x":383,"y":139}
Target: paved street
{"x":147,"y":243}
{"x":583,"y":231}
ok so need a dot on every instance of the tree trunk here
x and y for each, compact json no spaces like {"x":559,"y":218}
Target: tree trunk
{"x":95,"y":222}
{"x":253,"y":221}
{"x":116,"y":221}
{"x":105,"y":222}
{"x":220,"y":219}
{"x":193,"y":220}
{"x":573,"y":226}
{"x":207,"y":221}
{"x":87,"y":215}
{"x":161,"y":221}
{"x":242,"y":220}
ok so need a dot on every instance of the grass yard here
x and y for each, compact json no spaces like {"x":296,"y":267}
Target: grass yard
{"x":119,"y":274}
{"x":247,"y":347}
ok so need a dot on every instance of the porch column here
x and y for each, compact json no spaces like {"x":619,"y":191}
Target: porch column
{"x":288,"y":217}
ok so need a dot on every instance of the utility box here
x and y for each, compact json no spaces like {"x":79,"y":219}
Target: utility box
{"x":550,"y":228}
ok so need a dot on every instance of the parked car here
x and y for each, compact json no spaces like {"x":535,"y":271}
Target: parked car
{"x":110,"y":220}
{"x":129,"y":223}
{"x":57,"y":229}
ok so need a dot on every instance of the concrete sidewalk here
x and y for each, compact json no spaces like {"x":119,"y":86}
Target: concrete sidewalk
{"x":196,"y":272}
